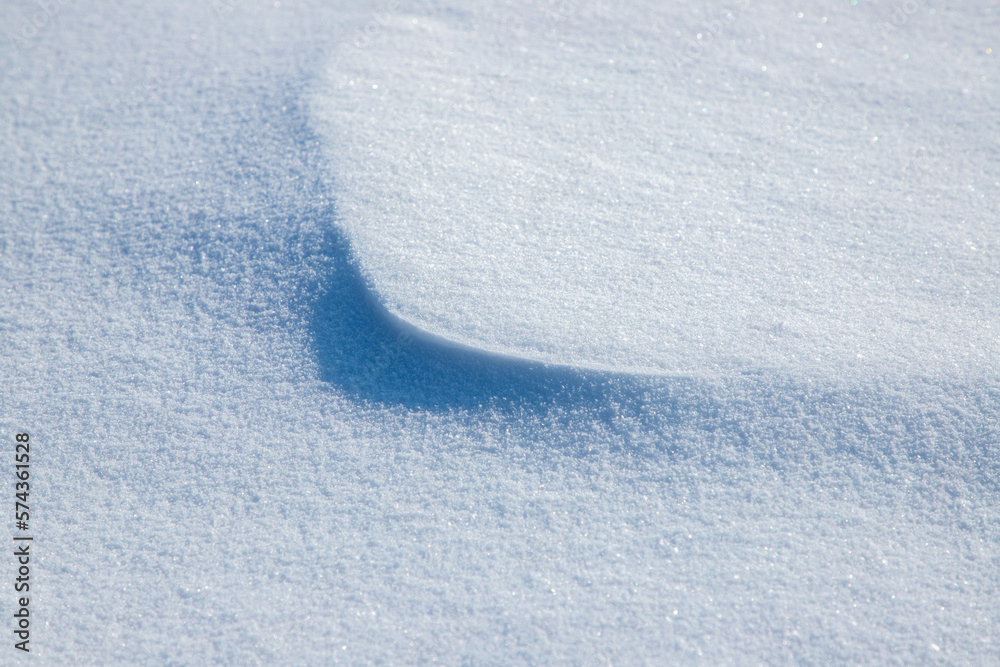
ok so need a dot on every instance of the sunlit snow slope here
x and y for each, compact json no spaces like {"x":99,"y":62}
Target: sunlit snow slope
{"x":676,"y":188}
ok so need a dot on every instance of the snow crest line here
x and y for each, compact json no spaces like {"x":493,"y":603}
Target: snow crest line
{"x":760,"y":419}
{"x":376,"y":355}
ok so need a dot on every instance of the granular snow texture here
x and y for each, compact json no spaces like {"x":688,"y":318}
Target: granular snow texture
{"x":230,"y":326}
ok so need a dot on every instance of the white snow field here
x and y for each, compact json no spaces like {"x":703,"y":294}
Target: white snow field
{"x":579,"y":339}
{"x":796,"y":193}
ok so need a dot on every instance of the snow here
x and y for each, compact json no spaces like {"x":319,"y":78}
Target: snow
{"x":297,"y":397}
{"x":615,"y":203}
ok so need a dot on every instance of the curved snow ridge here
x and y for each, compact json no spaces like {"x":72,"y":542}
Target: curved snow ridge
{"x":410,"y":331}
{"x":768,"y":418}
{"x":373,"y":354}
{"x":531,"y":186}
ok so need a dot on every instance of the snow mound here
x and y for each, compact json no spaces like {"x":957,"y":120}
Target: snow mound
{"x":648,"y":189}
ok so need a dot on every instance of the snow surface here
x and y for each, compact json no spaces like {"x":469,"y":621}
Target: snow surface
{"x":596,"y":187}
{"x":225,"y":325}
